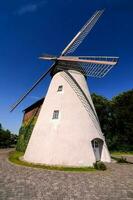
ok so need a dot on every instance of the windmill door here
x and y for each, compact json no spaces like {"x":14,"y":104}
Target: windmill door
{"x":96,"y":149}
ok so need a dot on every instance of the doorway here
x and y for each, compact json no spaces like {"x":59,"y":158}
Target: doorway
{"x":97,"y":145}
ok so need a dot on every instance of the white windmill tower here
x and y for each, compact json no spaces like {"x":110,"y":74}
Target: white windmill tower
{"x":67,"y":131}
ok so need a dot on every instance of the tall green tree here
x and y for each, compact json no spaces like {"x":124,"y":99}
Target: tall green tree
{"x":7,"y":139}
{"x":122,"y":106}
{"x":116,"y":119}
{"x":103,"y":109}
{"x":105,"y":114}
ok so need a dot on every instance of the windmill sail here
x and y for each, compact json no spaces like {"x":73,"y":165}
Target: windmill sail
{"x":77,"y":40}
{"x":30,"y":90}
{"x":89,"y":67}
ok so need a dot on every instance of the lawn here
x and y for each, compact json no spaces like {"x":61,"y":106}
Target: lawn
{"x":14,"y":157}
{"x":121,"y":153}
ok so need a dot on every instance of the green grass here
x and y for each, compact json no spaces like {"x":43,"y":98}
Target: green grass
{"x":121,"y":153}
{"x":120,"y":156}
{"x":121,"y":159}
{"x":14,"y":157}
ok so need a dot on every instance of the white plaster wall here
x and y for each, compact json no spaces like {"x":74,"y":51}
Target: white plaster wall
{"x":67,"y":140}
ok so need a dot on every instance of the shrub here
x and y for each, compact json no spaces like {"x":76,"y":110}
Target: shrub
{"x":99,"y":165}
{"x":122,"y":160}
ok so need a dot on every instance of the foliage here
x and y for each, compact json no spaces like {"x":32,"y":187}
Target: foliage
{"x":15,"y":158}
{"x":7,"y":139}
{"x":122,"y":106}
{"x":100,"y":165}
{"x":116,"y":119}
{"x":122,"y":160}
{"x":24,"y":135}
{"x":104,"y":111}
{"x":121,"y":153}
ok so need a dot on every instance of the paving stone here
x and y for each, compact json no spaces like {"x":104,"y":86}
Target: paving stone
{"x":24,"y":183}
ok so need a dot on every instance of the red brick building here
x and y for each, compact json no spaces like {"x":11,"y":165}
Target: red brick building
{"x":32,"y":111}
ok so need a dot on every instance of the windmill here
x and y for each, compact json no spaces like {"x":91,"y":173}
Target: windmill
{"x":67,"y":131}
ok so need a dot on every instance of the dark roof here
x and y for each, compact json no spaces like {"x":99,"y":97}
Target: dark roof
{"x":36,"y":104}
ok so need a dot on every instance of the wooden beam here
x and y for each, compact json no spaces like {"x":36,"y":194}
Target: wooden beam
{"x":63,"y":58}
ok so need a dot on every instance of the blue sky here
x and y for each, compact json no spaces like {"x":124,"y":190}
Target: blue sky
{"x":30,"y":28}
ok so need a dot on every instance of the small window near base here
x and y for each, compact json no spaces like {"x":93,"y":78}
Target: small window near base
{"x":55,"y":114}
{"x":60,"y":88}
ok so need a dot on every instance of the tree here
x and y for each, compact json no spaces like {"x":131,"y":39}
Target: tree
{"x":0,"y":126}
{"x":105,"y":114}
{"x":123,"y":113}
{"x":7,"y":139}
{"x":116,"y":119}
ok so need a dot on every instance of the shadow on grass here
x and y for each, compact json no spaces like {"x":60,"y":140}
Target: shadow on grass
{"x":14,"y":157}
{"x":121,"y":160}
{"x":121,"y":153}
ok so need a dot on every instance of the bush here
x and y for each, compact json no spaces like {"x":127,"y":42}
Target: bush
{"x":122,"y":160}
{"x":99,"y":165}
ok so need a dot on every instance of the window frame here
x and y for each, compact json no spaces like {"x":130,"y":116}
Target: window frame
{"x":60,"y":88}
{"x":55,"y":114}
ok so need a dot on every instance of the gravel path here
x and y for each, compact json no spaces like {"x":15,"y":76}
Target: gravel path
{"x":24,"y":183}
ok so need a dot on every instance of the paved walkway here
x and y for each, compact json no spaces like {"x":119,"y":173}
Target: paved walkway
{"x":23,"y":183}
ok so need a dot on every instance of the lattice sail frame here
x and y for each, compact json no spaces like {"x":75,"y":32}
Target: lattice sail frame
{"x":93,"y":66}
{"x":80,"y":36}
